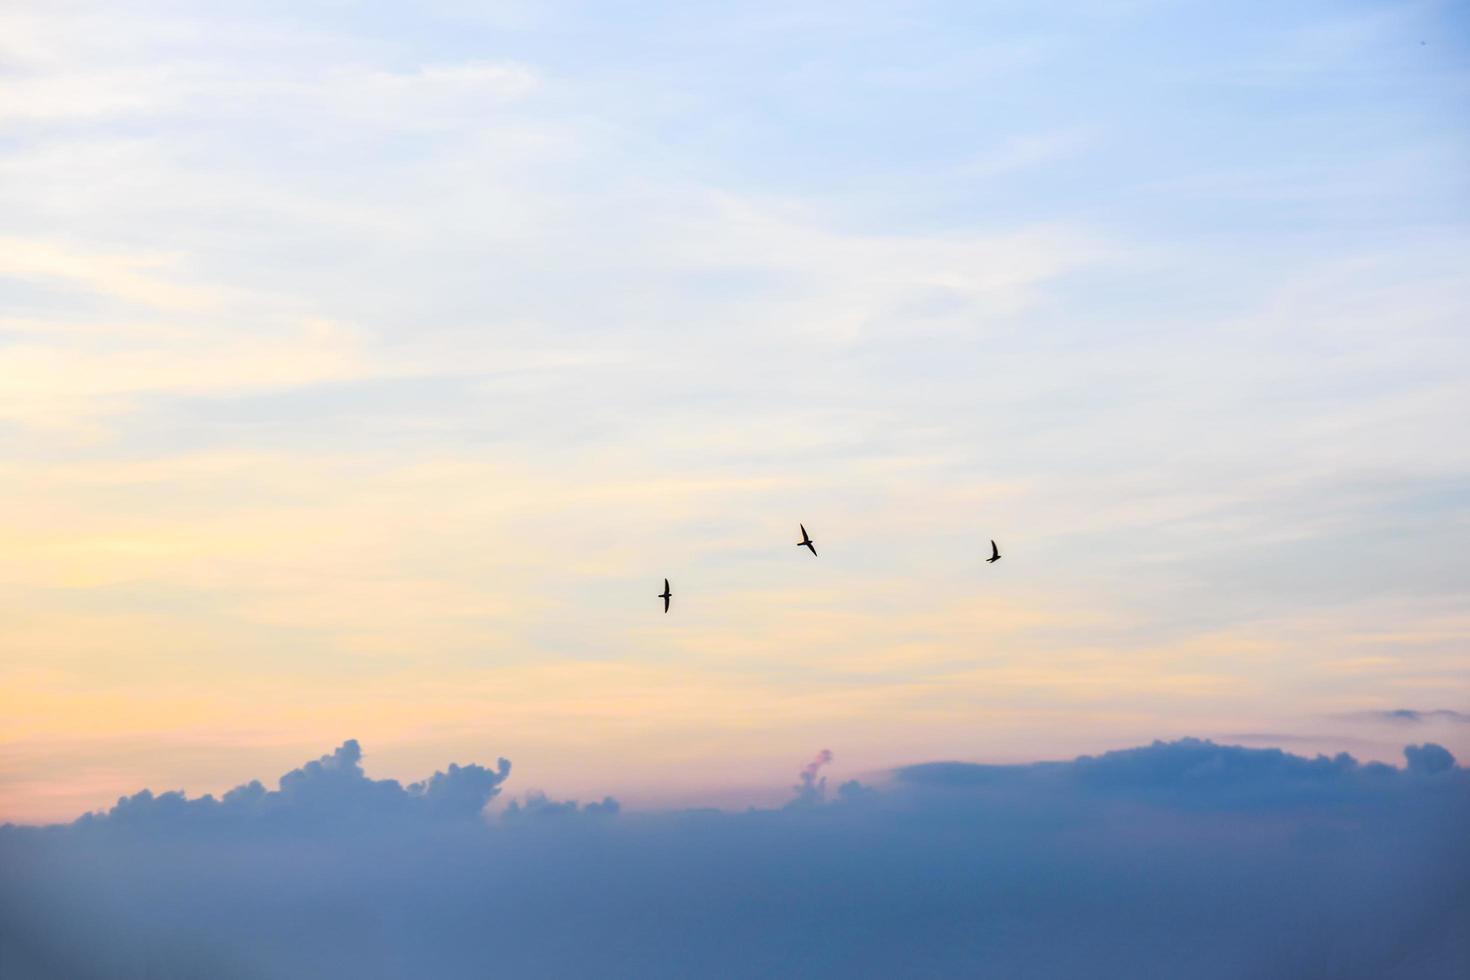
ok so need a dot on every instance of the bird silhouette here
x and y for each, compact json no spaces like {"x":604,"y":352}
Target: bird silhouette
{"x":994,"y":552}
{"x":806,"y":540}
{"x":665,"y":595}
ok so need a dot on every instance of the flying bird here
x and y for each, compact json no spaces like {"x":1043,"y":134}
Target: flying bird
{"x":806,"y":540}
{"x":994,"y":552}
{"x":665,"y":595}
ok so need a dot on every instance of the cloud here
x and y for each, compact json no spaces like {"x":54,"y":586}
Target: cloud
{"x":328,"y":794}
{"x":1413,"y":717}
{"x":538,"y":805}
{"x":810,"y":790}
{"x":135,"y":278}
{"x":1428,"y":758}
{"x":1193,"y":775}
{"x":1177,"y":858}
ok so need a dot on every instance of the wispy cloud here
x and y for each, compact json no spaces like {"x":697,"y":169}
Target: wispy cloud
{"x":143,"y":278}
{"x":1412,"y":716}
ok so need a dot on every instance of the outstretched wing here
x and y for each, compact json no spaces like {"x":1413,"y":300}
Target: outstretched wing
{"x":994,"y":551}
{"x":804,"y":537}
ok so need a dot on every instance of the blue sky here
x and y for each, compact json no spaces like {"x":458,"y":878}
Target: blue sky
{"x":368,"y":367}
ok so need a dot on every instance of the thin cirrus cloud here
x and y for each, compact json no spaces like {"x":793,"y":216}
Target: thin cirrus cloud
{"x":1186,"y":856}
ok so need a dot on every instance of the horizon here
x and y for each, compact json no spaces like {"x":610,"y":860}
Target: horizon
{"x":810,"y":786}
{"x":517,"y":787}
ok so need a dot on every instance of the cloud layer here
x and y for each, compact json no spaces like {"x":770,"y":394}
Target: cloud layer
{"x":328,"y":794}
{"x":1179,"y":858}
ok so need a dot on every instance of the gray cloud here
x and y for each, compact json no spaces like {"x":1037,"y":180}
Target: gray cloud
{"x":1428,"y":758}
{"x":1411,"y":716}
{"x":811,"y":789}
{"x":329,"y":793}
{"x":1180,"y":858}
{"x":538,"y":806}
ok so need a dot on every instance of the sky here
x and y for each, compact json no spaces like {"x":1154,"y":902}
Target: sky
{"x":365,"y":368}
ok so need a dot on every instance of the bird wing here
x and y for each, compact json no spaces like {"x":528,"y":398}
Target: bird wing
{"x":666,"y":585}
{"x":994,"y":551}
{"x":803,"y":532}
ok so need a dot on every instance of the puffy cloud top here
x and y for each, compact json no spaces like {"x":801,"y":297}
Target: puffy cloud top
{"x":329,"y":793}
{"x":1428,"y":758}
{"x":1198,"y":773}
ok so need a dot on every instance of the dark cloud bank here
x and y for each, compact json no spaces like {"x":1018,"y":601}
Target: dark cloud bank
{"x":1182,"y":859}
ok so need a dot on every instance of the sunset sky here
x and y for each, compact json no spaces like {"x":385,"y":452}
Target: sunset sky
{"x":365,"y":368}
